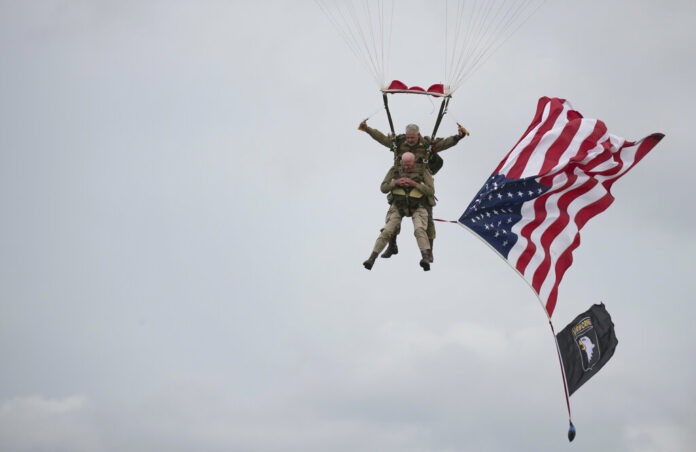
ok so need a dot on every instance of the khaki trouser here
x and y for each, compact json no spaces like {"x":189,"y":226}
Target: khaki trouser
{"x":393,"y":223}
{"x":431,"y":224}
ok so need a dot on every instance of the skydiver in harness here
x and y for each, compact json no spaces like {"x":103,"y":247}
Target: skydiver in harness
{"x":411,"y":190}
{"x":427,"y":160}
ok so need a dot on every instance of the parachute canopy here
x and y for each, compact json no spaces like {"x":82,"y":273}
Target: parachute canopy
{"x":437,"y":90}
{"x":471,"y":30}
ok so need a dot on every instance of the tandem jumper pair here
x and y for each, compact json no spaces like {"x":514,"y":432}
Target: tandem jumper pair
{"x":409,"y":183}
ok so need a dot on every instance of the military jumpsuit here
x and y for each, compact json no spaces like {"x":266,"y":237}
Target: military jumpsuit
{"x":420,"y":150}
{"x":409,"y":202}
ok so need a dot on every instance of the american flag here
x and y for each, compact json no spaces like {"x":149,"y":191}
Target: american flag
{"x":557,"y":177}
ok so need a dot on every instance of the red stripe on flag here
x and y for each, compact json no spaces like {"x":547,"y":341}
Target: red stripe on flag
{"x":528,"y":229}
{"x":541,"y":105}
{"x":591,"y":141}
{"x":564,"y":262}
{"x":540,"y":214}
{"x":556,"y":150}
{"x":522,"y":159}
{"x":588,"y":144}
{"x":557,"y":227}
{"x":539,"y":217}
{"x":644,"y":147}
{"x":566,"y":258}
{"x":597,"y":160}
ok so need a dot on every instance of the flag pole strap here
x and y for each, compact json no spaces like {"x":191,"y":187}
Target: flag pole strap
{"x":571,"y":427}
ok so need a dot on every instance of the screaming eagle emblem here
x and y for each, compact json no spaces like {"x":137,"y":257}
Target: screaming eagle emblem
{"x":586,"y":340}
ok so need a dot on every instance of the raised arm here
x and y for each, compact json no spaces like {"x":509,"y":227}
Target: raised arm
{"x":440,"y":144}
{"x":384,"y":140}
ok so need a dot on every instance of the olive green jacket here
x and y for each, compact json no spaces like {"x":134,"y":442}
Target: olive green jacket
{"x":420,"y":149}
{"x":425,"y":187}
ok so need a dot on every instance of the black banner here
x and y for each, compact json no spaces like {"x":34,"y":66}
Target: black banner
{"x":586,"y":345}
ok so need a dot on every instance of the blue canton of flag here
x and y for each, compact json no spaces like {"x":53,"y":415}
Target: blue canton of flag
{"x":496,"y":208}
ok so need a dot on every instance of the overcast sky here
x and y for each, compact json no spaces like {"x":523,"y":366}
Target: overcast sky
{"x":186,"y":204}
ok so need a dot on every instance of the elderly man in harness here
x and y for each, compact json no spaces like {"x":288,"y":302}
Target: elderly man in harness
{"x":411,"y":190}
{"x":426,"y":158}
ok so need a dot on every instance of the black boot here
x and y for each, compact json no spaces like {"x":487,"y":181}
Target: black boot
{"x":370,"y":261}
{"x":432,"y":258}
{"x":425,"y":260}
{"x":391,"y":249}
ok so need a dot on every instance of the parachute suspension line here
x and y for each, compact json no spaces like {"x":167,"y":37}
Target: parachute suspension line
{"x":444,"y":62}
{"x":472,"y":40}
{"x":457,"y":44}
{"x":363,"y":40}
{"x":475,"y":31}
{"x":373,"y":113}
{"x":507,"y":27}
{"x":464,"y":45}
{"x":337,"y":18}
{"x":514,"y":22}
{"x":384,"y":50}
{"x":484,"y":28}
{"x":380,"y":16}
{"x":481,"y":27}
{"x":486,"y":33}
{"x":362,"y":24}
{"x":454,"y":118}
{"x":432,"y":104}
{"x":377,"y":27}
{"x":472,"y":27}
{"x":389,"y":40}
{"x":379,"y":64}
{"x":443,"y":111}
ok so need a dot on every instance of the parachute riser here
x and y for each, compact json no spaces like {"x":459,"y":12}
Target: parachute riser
{"x":440,"y":115}
{"x":391,"y":127}
{"x":386,"y":107}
